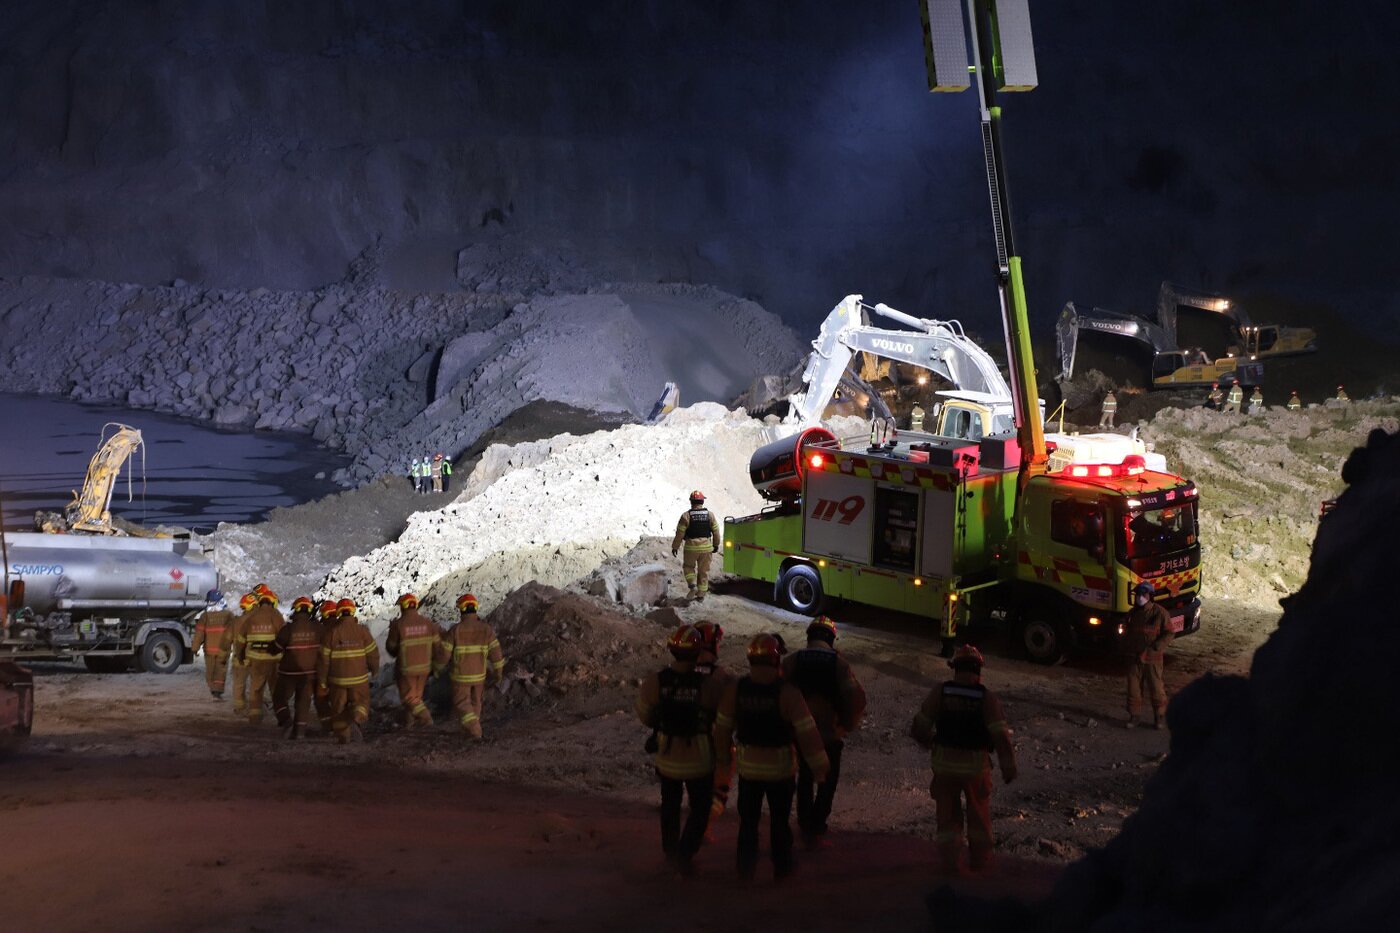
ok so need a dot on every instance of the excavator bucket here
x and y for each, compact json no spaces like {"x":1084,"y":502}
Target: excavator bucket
{"x":667,"y":403}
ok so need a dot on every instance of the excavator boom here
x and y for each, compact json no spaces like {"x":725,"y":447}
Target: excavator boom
{"x":90,"y":509}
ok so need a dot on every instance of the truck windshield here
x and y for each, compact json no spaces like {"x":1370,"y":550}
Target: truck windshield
{"x":1157,"y":532}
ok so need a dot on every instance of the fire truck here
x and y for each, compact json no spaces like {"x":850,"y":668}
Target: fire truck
{"x":967,"y":531}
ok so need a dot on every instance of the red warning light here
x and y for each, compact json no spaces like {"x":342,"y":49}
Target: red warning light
{"x":816,"y":460}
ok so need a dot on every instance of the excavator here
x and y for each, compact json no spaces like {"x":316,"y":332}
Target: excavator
{"x":90,"y":510}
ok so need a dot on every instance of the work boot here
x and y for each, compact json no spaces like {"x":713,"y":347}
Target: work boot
{"x":700,"y":597}
{"x":1132,"y":721}
{"x":1159,"y":722}
{"x":218,"y":697}
{"x":293,"y":731}
{"x":356,"y":733}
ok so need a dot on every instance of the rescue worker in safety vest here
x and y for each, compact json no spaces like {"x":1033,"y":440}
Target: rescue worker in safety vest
{"x":1216,"y":397}
{"x":300,"y":641}
{"x":679,"y":703}
{"x":699,"y":530}
{"x":707,"y":663}
{"x":213,"y":631}
{"x":1234,"y":398}
{"x":474,"y":655}
{"x":256,"y":646}
{"x":1146,"y":634}
{"x":961,"y":720}
{"x":837,"y":703}
{"x":1342,"y":396}
{"x":766,"y":717}
{"x":414,"y":640}
{"x":1256,"y":401}
{"x":329,"y":615}
{"x":349,"y":659}
{"x":1294,"y":402}
{"x":1110,"y":408}
{"x":240,"y":671}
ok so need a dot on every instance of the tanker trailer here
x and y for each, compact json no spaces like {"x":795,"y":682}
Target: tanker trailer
{"x":110,"y":601}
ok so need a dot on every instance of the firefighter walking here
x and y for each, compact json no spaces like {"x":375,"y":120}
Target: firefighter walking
{"x":1256,"y":401}
{"x":960,"y":721}
{"x":213,"y":632}
{"x":300,"y":644}
{"x":1110,"y":408}
{"x":1146,"y":634}
{"x":679,"y":703}
{"x":707,"y":663}
{"x":1234,"y":398}
{"x":414,"y":641}
{"x":699,"y":531}
{"x":330,"y":615}
{"x":239,"y":670}
{"x":255,"y":645}
{"x":473,"y":653}
{"x":837,"y":703}
{"x":766,"y":717}
{"x":349,"y":659}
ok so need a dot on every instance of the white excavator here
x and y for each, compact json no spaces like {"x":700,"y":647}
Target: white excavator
{"x":978,"y":405}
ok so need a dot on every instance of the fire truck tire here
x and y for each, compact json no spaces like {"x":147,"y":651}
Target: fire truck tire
{"x":1044,"y":639}
{"x":100,"y":664}
{"x":800,"y":589}
{"x":161,"y":654}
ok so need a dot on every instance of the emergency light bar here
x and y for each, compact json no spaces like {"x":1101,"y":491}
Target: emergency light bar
{"x":1132,"y":465}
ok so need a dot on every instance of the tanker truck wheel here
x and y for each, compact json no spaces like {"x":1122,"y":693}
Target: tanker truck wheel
{"x":800,"y":589}
{"x":161,"y":654}
{"x":1044,"y":639}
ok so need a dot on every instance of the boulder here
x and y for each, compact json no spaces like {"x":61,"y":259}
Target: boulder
{"x":644,"y":586}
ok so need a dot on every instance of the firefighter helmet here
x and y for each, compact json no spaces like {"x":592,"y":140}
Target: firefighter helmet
{"x":710,"y":634}
{"x":823,"y":627}
{"x":329,"y":608}
{"x":213,"y":596}
{"x":248,"y":601}
{"x":685,"y":642}
{"x":467,"y":603}
{"x":407,"y":601}
{"x":346,"y":607}
{"x":303,"y":604}
{"x":1144,"y":587}
{"x":765,"y":649}
{"x":697,"y":496}
{"x":267,"y":597}
{"x":967,"y":658}
{"x":261,"y":589}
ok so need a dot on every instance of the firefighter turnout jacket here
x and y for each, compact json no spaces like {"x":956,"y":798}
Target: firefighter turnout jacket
{"x":472,"y":648}
{"x":964,"y":722}
{"x":834,"y":696}
{"x":765,"y":719}
{"x":300,"y":641}
{"x":679,"y":702}
{"x":213,"y":632}
{"x":1147,"y":632}
{"x":349,"y":655}
{"x":257,"y":634}
{"x":413,"y":639}
{"x":698,"y":529}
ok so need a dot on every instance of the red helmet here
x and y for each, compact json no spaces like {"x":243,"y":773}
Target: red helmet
{"x":467,"y":603}
{"x":262,"y":589}
{"x":765,"y":649}
{"x":303,"y":604}
{"x":685,"y":642}
{"x":823,"y":627}
{"x":967,"y":658}
{"x":710,"y":634}
{"x":697,"y":496}
{"x":408,"y":601}
{"x":346,"y":607}
{"x":329,"y":608}
{"x":248,"y":601}
{"x":267,"y":597}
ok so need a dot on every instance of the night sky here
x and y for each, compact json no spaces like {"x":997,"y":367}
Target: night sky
{"x":778,"y":152}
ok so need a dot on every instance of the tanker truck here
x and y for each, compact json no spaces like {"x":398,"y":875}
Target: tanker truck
{"x":115,"y":602}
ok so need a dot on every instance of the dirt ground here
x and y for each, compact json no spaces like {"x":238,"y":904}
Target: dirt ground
{"x":551,"y":821}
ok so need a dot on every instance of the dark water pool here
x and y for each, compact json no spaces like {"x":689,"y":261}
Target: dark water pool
{"x":192,"y":475}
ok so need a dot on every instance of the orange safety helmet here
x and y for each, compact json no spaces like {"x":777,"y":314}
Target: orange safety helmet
{"x":346,"y":607}
{"x":967,"y":658}
{"x":823,"y":627}
{"x":329,"y":608}
{"x":248,"y":601}
{"x":765,"y":649}
{"x":262,"y":589}
{"x":466,"y":603}
{"x":303,"y":604}
{"x":685,"y":642}
{"x":408,"y":601}
{"x":710,"y":634}
{"x":268,"y":597}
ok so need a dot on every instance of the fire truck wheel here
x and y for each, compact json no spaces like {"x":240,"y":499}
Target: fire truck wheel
{"x":800,"y":589}
{"x":1044,"y":640}
{"x":161,"y":654}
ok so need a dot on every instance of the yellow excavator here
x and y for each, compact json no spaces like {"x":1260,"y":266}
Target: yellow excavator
{"x":90,"y":510}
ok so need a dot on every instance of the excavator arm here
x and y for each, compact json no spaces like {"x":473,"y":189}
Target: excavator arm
{"x":90,"y":509}
{"x":939,"y":346}
{"x":1073,"y":319}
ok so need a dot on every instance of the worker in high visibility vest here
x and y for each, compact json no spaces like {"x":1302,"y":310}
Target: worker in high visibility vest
{"x":1110,"y":408}
{"x":1294,"y":402}
{"x":474,"y":661}
{"x":255,"y":645}
{"x":699,"y":530}
{"x":1234,"y":399}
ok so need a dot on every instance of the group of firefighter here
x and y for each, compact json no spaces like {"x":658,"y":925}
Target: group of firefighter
{"x":1225,"y":401}
{"x":324,"y":655}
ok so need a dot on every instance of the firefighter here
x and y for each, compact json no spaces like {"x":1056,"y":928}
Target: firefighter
{"x":916,"y":417}
{"x":960,"y":721}
{"x":1294,"y":402}
{"x":699,"y":530}
{"x":349,"y":659}
{"x":300,"y":641}
{"x":1234,"y":398}
{"x":241,"y":672}
{"x":255,"y":645}
{"x":766,"y":717}
{"x":414,"y":641}
{"x":1110,"y":408}
{"x":213,"y":632}
{"x":1342,"y":395}
{"x":474,"y":654}
{"x":1256,"y":401}
{"x":837,"y":703}
{"x":330,"y":615}
{"x":436,"y":472}
{"x":707,"y":663}
{"x":679,"y":703}
{"x":1146,"y":633}
{"x":1216,"y":397}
